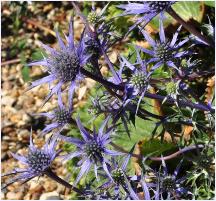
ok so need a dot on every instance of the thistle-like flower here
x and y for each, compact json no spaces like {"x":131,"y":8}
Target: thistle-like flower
{"x":138,"y":82}
{"x":37,"y":162}
{"x":171,"y":184}
{"x":92,"y":149}
{"x":120,"y":179}
{"x":148,"y":8}
{"x":164,"y":51}
{"x":64,"y":64}
{"x":60,"y":116}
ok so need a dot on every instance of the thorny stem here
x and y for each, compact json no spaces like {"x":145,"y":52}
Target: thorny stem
{"x":190,"y":27}
{"x":120,"y":87}
{"x":53,"y":176}
{"x":106,"y":83}
{"x":169,"y":157}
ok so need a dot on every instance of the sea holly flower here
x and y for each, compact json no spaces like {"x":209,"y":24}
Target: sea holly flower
{"x":60,"y":117}
{"x":112,"y":106}
{"x":64,"y":64}
{"x":93,"y":17}
{"x":37,"y":162}
{"x":170,"y":183}
{"x":149,"y":9}
{"x":138,"y":82}
{"x":120,"y":179}
{"x":92,"y":149}
{"x":164,"y":51}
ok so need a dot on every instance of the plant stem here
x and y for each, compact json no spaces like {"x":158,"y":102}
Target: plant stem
{"x":101,"y":80}
{"x":53,"y":176}
{"x":169,"y":157}
{"x":190,"y":27}
{"x":106,"y":83}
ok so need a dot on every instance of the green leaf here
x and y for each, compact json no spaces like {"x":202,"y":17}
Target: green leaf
{"x":25,"y":73}
{"x":25,"y":69}
{"x":210,"y":3}
{"x":185,"y":9}
{"x":189,"y":10}
{"x":38,"y":54}
{"x":155,"y":146}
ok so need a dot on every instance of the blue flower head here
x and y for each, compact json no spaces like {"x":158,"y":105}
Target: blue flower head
{"x":92,"y":149}
{"x":37,"y":162}
{"x":120,"y":179}
{"x":63,"y":64}
{"x":138,"y":83}
{"x":164,"y":51}
{"x":171,"y":183}
{"x":60,"y":117}
{"x":149,"y":9}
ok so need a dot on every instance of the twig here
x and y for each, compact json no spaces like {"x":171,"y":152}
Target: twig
{"x":13,"y":61}
{"x":53,"y":176}
{"x":190,"y":27}
{"x":32,"y":22}
{"x":169,"y":157}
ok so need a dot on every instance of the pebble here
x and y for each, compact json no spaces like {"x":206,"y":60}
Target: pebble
{"x":49,"y":185}
{"x":4,"y":146}
{"x":23,"y":135}
{"x":4,"y":156}
{"x":7,"y":100}
{"x":2,"y":196}
{"x":50,"y":196}
{"x":14,"y":195}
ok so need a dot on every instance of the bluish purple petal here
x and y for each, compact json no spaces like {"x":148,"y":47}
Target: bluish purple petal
{"x":182,"y":43}
{"x":175,"y":36}
{"x":38,"y":63}
{"x":112,"y":153}
{"x":107,"y":171}
{"x":60,"y":41}
{"x":128,"y":64}
{"x":83,"y":131}
{"x":101,"y":129}
{"x":161,"y":32}
{"x":140,"y":99}
{"x":55,"y":90}
{"x":71,"y":155}
{"x":85,"y":168}
{"x":71,"y":35}
{"x":145,"y":189}
{"x":22,"y":159}
{"x":43,"y":80}
{"x":70,"y":94}
{"x":60,"y":103}
{"x":150,"y":52}
{"x":140,"y":61}
{"x":178,"y":168}
{"x":148,"y":38}
{"x":157,"y":65}
{"x":50,"y":127}
{"x":171,"y":64}
{"x":75,"y":141}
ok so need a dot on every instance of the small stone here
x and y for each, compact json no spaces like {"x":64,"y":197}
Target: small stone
{"x":2,"y":196}
{"x":50,"y":196}
{"x":7,"y":86}
{"x":6,"y":138}
{"x":4,"y":146}
{"x":7,"y":100}
{"x":4,"y":156}
{"x":14,"y":196}
{"x":49,"y":186}
{"x":23,"y":135}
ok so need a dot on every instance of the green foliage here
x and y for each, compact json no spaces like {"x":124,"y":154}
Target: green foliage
{"x":186,"y":9}
{"x":155,"y":147}
{"x":210,"y":3}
